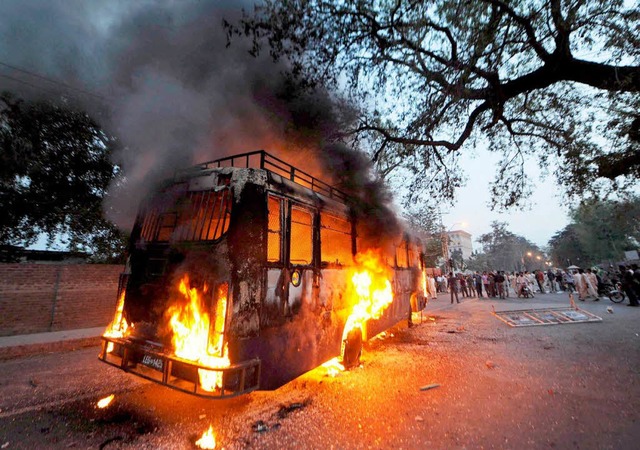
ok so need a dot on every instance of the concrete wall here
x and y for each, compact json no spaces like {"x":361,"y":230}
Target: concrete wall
{"x":37,"y":298}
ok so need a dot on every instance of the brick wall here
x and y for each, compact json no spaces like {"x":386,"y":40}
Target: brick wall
{"x":36,"y":298}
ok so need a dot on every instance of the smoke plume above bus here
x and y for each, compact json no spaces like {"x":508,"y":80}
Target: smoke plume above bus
{"x":160,"y":77}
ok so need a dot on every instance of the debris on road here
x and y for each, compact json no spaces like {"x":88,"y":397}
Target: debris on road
{"x":260,"y":426}
{"x":545,"y":316}
{"x":285,"y":410}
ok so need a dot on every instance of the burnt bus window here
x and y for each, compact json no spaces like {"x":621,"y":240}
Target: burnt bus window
{"x":301,"y":236}
{"x":274,"y":230}
{"x":414,"y":256}
{"x":198,"y":216}
{"x":204,"y":216}
{"x":167,"y":224}
{"x":335,"y":240}
{"x":401,"y":255}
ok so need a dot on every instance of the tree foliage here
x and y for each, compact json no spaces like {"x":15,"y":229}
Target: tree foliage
{"x":54,"y":172}
{"x":600,"y":231}
{"x":425,"y":223}
{"x":558,"y":79}
{"x":566,"y":249}
{"x":504,"y":250}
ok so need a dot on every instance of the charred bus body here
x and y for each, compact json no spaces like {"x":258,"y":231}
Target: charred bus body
{"x":258,"y":255}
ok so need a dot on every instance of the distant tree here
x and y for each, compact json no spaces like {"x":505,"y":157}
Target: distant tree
{"x":566,"y":248}
{"x":433,"y":251}
{"x":549,"y":78}
{"x":458,"y":259}
{"x":424,"y":222}
{"x":600,"y":231}
{"x":54,"y":173}
{"x":504,"y":250}
{"x":479,"y":261}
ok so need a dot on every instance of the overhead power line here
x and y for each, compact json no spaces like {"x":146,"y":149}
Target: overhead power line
{"x":17,"y":80}
{"x":47,"y":79}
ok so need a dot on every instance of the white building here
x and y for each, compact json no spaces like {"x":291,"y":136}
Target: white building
{"x":460,"y":240}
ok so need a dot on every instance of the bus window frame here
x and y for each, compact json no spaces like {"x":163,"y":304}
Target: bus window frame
{"x":313,"y":212}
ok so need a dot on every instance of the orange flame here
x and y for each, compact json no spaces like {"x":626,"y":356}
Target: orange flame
{"x":103,"y":403}
{"x":208,"y":440}
{"x":118,"y":327}
{"x":191,"y":337}
{"x":372,"y":290}
{"x":425,"y":284}
{"x":333,"y":367}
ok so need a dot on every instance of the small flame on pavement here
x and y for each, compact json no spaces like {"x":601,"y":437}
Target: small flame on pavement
{"x":333,"y":367}
{"x":104,"y":402}
{"x":208,"y":440}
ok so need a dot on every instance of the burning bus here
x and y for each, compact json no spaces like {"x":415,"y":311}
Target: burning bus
{"x":246,"y":272}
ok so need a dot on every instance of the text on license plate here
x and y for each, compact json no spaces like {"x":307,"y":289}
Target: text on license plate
{"x":152,"y":361}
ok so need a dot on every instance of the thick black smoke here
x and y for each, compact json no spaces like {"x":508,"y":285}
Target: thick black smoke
{"x":370,"y":199}
{"x":159,"y":76}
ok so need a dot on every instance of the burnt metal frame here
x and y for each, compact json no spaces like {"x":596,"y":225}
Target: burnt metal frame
{"x":557,"y":312}
{"x":270,"y":163}
{"x":167,"y":365}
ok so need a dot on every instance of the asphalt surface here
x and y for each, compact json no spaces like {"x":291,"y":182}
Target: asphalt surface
{"x":561,"y":386}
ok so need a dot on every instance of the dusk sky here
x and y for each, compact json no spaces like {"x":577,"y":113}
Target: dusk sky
{"x":546,"y":214}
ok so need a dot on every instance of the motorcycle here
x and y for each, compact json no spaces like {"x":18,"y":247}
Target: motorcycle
{"x":614,"y":292}
{"x":526,"y":292}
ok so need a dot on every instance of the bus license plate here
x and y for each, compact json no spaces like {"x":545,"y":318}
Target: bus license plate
{"x":152,"y":361}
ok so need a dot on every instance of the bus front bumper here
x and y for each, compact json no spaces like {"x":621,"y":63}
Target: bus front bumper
{"x":148,"y":361}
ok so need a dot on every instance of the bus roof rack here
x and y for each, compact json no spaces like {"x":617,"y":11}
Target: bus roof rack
{"x":260,"y":159}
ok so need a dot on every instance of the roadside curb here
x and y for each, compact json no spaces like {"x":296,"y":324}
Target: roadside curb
{"x":18,"y":346}
{"x":20,"y":351}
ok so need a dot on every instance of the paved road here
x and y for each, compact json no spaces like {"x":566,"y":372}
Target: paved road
{"x":564,"y":386}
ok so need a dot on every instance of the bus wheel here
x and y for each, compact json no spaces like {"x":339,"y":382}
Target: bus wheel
{"x":352,"y":349}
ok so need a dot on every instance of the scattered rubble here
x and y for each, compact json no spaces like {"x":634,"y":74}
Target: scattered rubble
{"x":490,"y":364}
{"x":429,"y":386}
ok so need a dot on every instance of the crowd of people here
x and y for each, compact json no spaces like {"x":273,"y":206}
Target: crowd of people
{"x":586,"y":283}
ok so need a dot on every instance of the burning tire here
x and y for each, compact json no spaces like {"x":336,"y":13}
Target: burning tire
{"x":352,"y":348}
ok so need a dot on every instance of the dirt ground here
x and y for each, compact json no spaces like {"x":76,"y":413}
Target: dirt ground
{"x":562,"y":386}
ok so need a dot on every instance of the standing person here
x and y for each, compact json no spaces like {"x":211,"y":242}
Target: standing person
{"x":560,"y":280}
{"x":463,"y":285}
{"x":592,"y":284}
{"x":485,"y":283}
{"x":453,"y":287}
{"x":636,"y":280}
{"x":492,"y":284}
{"x":432,"y":288}
{"x":552,"y":279}
{"x":499,"y":280}
{"x":507,"y":283}
{"x":540,"y":280}
{"x":531,"y":279}
{"x":627,"y":281}
{"x":521,"y":282}
{"x":569,"y":282}
{"x":477,"y":278}
{"x":471,"y":286}
{"x":580,"y":283}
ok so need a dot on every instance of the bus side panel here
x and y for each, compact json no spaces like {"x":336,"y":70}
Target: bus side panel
{"x":404,"y":283}
{"x":247,"y":247}
{"x":309,"y":336}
